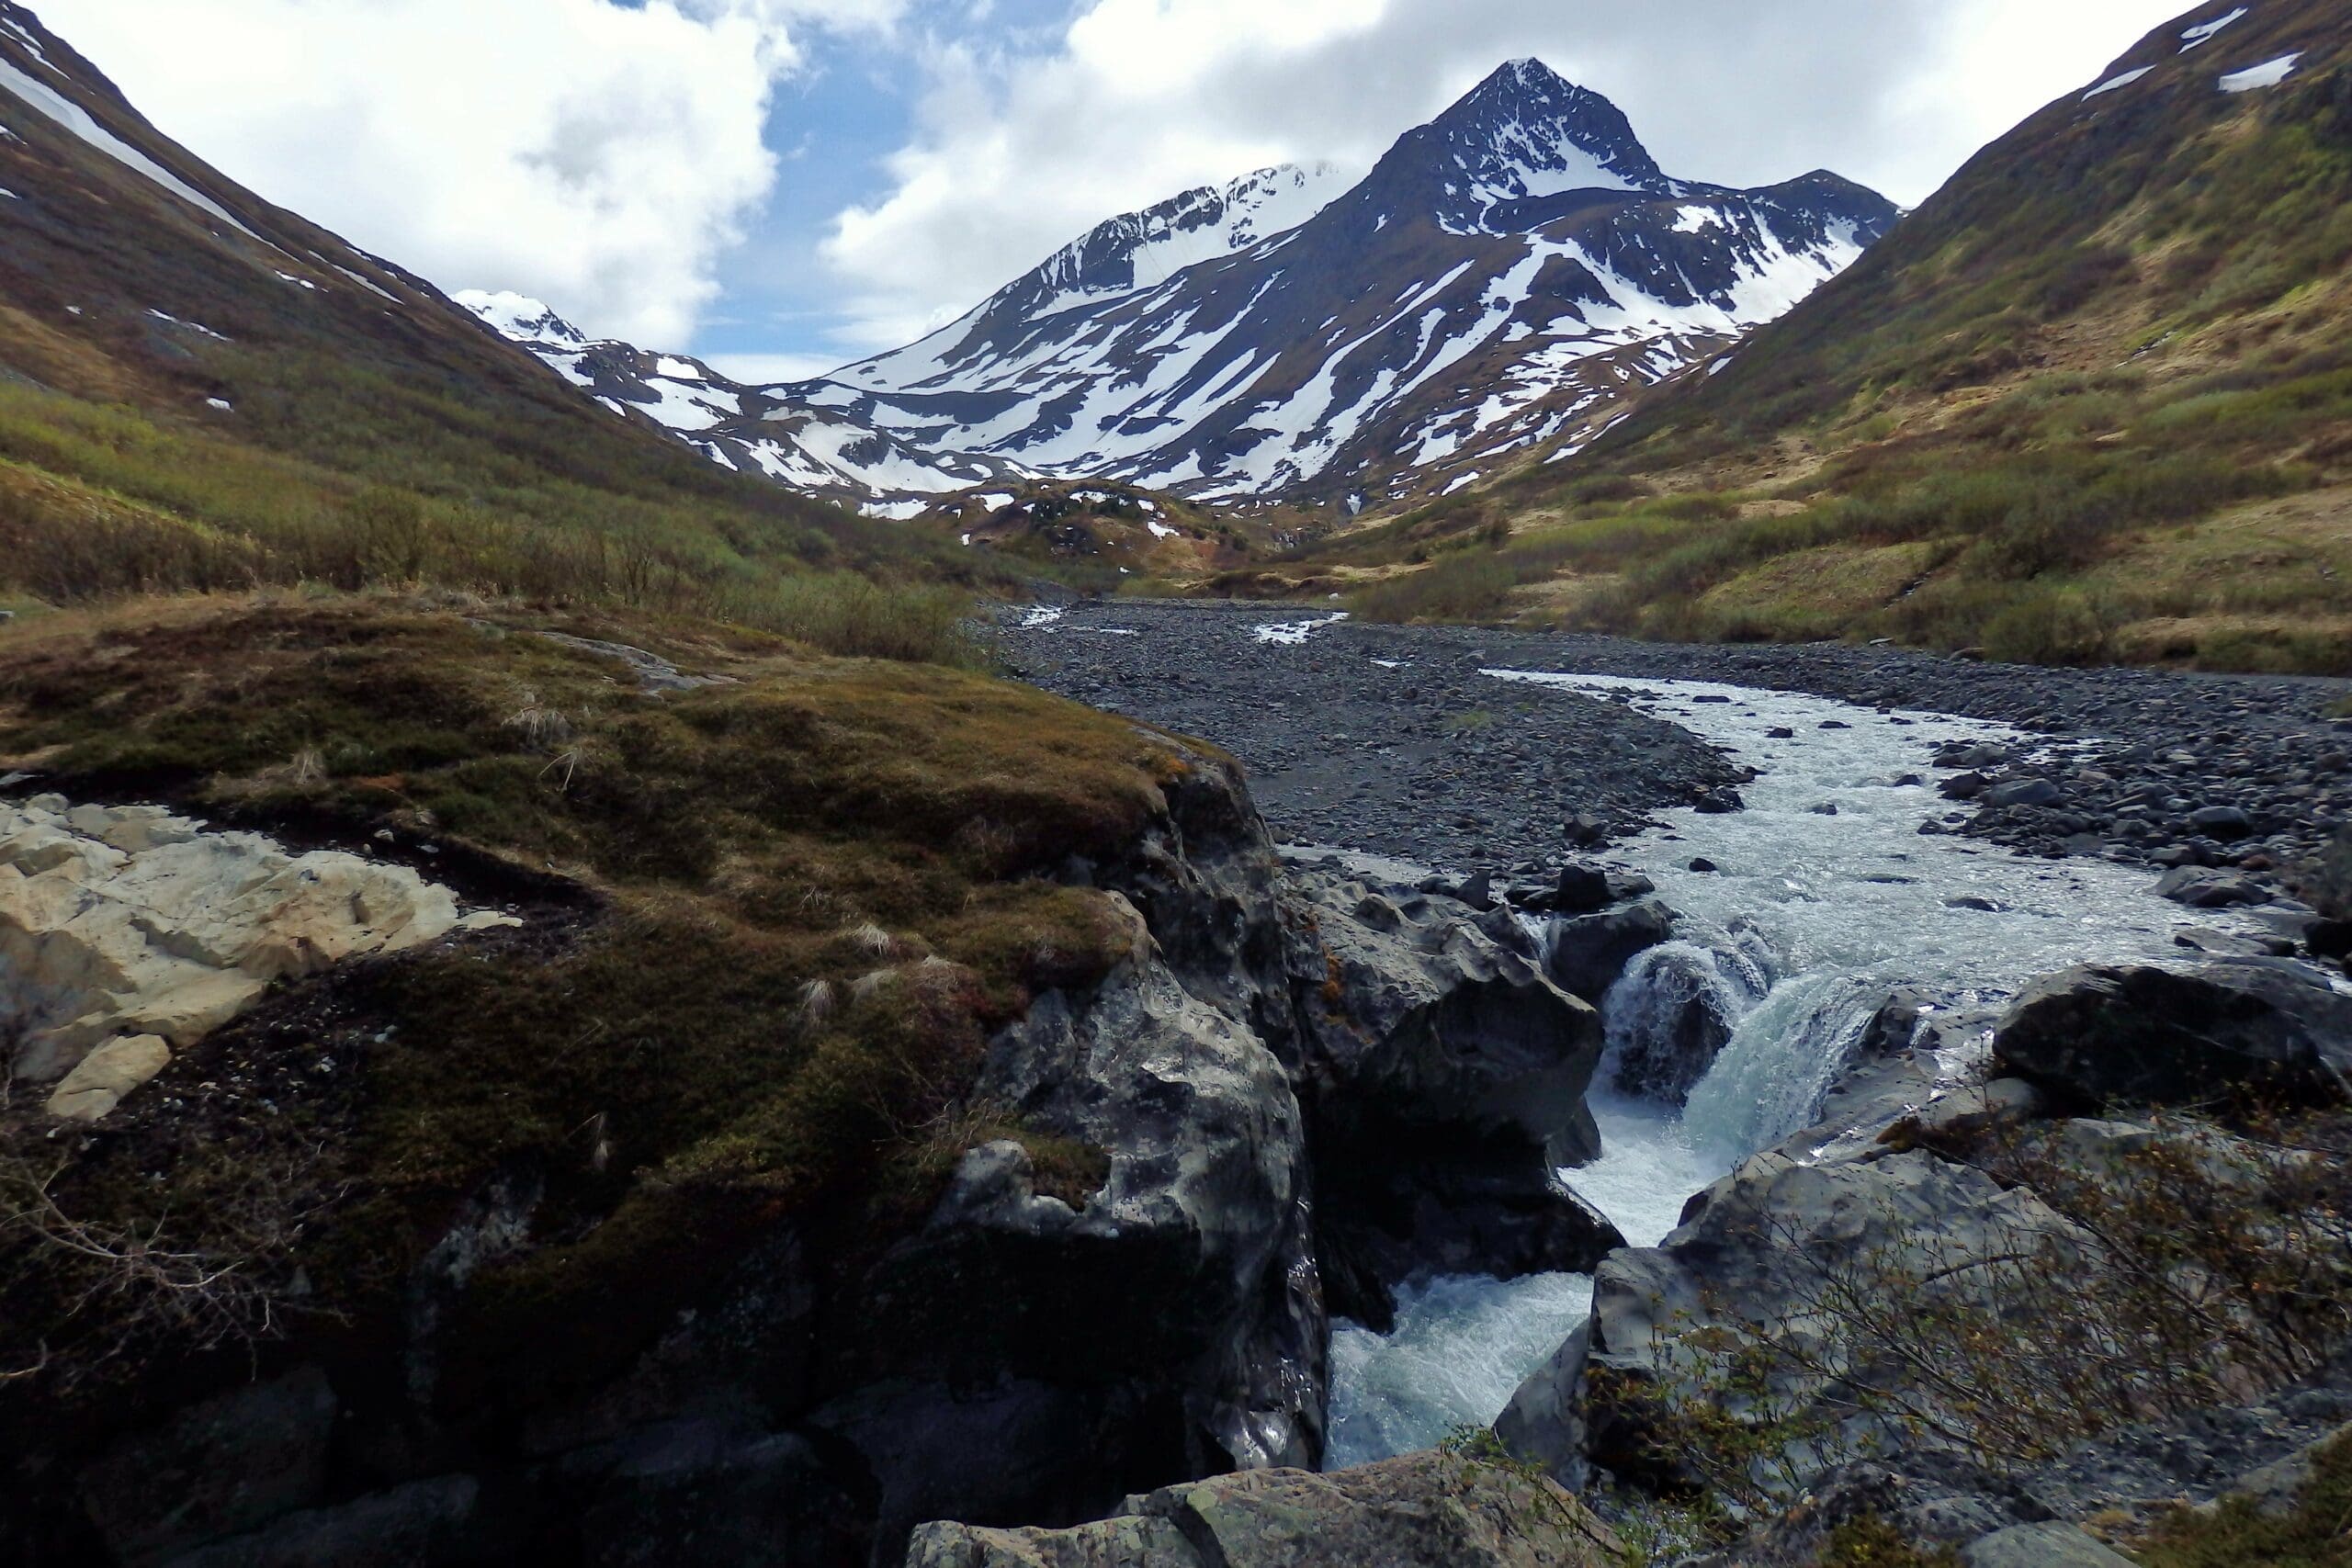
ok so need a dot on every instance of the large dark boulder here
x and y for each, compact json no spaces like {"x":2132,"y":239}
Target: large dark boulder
{"x":2097,"y":1036}
{"x":1750,"y":1258}
{"x":1588,"y":954}
{"x":1033,"y":1357}
{"x":1445,"y":1087}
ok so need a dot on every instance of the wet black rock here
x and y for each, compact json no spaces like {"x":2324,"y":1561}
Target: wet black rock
{"x":2096,"y":1037}
{"x":1444,"y":1083}
{"x":1582,"y":890}
{"x":2225,"y":822}
{"x":2022,"y":792}
{"x":2210,"y":889}
{"x":1590,"y":952}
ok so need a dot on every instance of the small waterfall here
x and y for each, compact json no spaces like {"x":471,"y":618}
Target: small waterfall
{"x":1787,"y":948}
{"x":1781,"y":1063}
{"x":1674,"y":1011}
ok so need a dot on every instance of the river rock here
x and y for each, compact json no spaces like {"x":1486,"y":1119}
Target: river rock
{"x":1674,"y":1015}
{"x":1749,"y":1258}
{"x":2201,"y":889}
{"x":2098,"y":1036}
{"x":112,"y":1070}
{"x":1426,"y":1510}
{"x":218,"y":1468}
{"x":1446,"y":1087}
{"x":2022,"y":792}
{"x":2051,"y":1545}
{"x":2226,"y":823}
{"x":1579,"y":890}
{"x":1589,"y":955}
{"x":422,"y":1522}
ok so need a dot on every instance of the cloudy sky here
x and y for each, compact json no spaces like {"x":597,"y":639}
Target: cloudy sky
{"x":782,"y":186}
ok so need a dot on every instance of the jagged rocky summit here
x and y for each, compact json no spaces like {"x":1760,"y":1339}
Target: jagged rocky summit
{"x":1496,"y":290}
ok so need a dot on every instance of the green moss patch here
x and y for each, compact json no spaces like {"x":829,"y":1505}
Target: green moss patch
{"x":819,"y":886}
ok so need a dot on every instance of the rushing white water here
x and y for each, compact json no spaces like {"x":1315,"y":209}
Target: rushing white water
{"x":1793,"y":942}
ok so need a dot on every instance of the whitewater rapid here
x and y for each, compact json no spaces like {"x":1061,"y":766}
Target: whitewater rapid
{"x":1806,"y":922}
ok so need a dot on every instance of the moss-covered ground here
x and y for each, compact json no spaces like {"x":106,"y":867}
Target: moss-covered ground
{"x":787,"y":910}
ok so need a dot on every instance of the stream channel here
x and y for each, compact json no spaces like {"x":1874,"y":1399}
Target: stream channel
{"x":1793,"y":942}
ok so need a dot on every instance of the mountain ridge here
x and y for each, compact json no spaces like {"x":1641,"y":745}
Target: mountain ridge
{"x":1563,"y":268}
{"x":2092,"y":400}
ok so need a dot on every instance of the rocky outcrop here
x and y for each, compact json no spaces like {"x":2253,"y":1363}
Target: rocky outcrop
{"x":1445,"y":1079}
{"x":2095,"y":1037}
{"x":1586,"y":956}
{"x":1756,"y":1252}
{"x":1120,"y":1288}
{"x":1424,"y":1511}
{"x":127,"y":932}
{"x":1043,"y":1359}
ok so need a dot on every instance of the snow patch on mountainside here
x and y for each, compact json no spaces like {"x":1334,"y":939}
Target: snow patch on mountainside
{"x":1510,"y":275}
{"x":2270,"y":73}
{"x":73,"y":117}
{"x":2205,"y":32}
{"x":2116,"y":83}
{"x":520,"y":317}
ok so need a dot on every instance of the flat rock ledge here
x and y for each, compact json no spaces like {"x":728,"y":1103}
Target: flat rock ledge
{"x":127,"y":932}
{"x":1426,"y":1510}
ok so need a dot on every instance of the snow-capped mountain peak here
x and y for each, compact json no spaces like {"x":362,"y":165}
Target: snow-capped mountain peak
{"x":1143,"y":250}
{"x":521,"y":317}
{"x":1504,"y":283}
{"x":1526,"y":133}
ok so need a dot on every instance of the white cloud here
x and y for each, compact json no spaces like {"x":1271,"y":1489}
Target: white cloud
{"x":598,"y":157}
{"x":1016,"y":153}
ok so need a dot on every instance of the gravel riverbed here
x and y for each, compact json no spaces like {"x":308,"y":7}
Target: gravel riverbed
{"x":1389,"y":740}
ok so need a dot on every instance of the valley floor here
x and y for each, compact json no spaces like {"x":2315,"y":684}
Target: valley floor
{"x":1388,"y":741}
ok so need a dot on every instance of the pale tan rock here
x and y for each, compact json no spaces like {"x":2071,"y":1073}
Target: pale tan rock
{"x":106,"y":1074}
{"x":127,"y":920}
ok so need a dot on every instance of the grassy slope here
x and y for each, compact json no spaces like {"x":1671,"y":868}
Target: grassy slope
{"x":373,"y":430}
{"x":784,"y":913}
{"x":792,"y":909}
{"x":2093,"y":401}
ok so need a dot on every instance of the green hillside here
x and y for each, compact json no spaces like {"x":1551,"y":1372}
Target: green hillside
{"x":200,"y":390}
{"x":2092,"y":400}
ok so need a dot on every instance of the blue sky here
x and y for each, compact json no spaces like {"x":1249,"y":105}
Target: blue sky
{"x":784,"y":186}
{"x":833,"y":128}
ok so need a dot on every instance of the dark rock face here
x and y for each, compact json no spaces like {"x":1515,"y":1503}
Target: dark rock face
{"x":1422,"y":1511}
{"x":216,"y":1468}
{"x":1041,"y":1357}
{"x":1590,"y":952}
{"x":1447,"y":1084}
{"x":2099,"y":1036}
{"x":421,"y":1521}
{"x":1018,"y":1356}
{"x":1751,"y":1252}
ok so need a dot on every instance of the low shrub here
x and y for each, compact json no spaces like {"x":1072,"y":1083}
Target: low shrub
{"x":2312,"y":1534}
{"x":2199,"y":1267}
{"x":2049,"y":626}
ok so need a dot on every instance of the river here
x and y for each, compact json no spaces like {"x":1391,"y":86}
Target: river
{"x":1808,"y":919}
